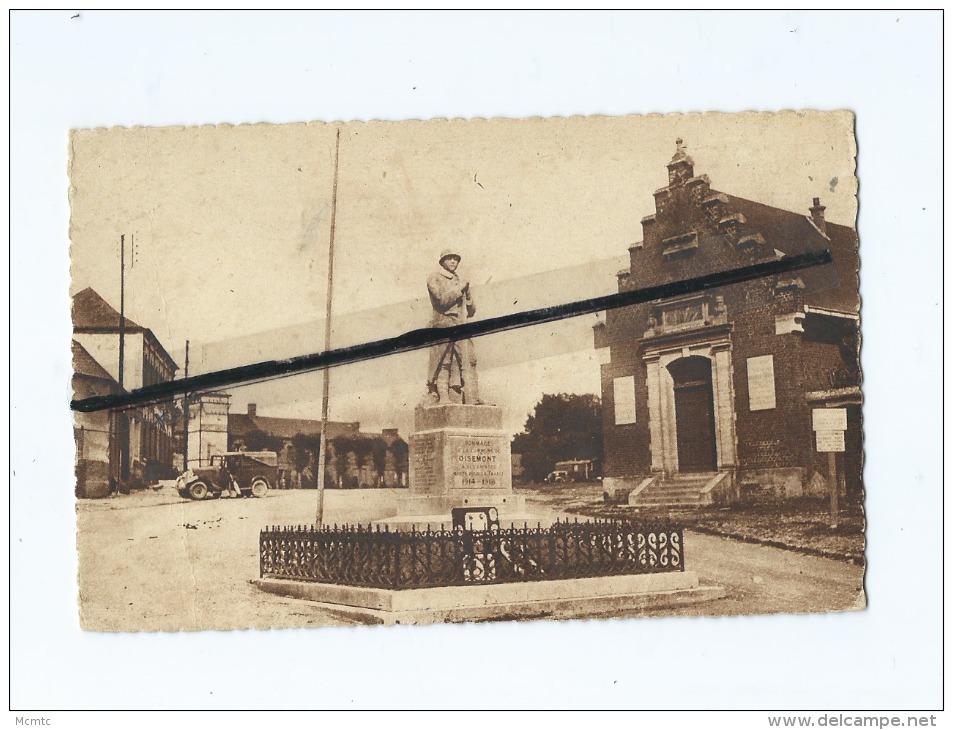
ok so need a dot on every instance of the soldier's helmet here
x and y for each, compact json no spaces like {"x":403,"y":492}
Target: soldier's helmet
{"x":447,"y":253}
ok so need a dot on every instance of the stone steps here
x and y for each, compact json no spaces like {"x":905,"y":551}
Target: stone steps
{"x":670,"y":503}
{"x":673,"y":487}
{"x":682,"y":490}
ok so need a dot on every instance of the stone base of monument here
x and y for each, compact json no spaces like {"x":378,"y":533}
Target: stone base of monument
{"x":572,"y":598}
{"x":459,"y":457}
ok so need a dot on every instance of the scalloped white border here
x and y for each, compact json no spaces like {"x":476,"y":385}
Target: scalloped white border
{"x":109,"y":69}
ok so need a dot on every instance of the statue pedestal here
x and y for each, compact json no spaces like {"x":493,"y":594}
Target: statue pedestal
{"x":459,"y":457}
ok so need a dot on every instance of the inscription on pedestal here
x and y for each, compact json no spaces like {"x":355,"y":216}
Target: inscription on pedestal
{"x":478,"y":462}
{"x":453,"y":465}
{"x":425,"y":462}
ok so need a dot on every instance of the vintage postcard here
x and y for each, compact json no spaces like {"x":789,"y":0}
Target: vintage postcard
{"x":466,"y":370}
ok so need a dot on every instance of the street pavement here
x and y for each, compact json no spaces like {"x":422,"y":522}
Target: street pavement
{"x":761,"y":579}
{"x":155,"y":562}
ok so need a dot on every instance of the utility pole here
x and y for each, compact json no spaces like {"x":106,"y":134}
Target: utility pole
{"x":185,"y":417}
{"x":122,"y":417}
{"x":322,"y":456}
{"x":122,"y":308}
{"x":835,"y":488}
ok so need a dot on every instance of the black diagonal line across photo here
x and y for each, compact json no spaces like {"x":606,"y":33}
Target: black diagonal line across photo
{"x":420,"y":338}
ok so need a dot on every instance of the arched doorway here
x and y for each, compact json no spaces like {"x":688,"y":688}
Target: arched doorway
{"x":694,"y":414}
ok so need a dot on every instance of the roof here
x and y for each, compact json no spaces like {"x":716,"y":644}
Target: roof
{"x":93,"y":314}
{"x":794,"y":233}
{"x":240,"y":424}
{"x":783,"y":232}
{"x":389,"y":436}
{"x":91,"y":311}
{"x":86,"y":365}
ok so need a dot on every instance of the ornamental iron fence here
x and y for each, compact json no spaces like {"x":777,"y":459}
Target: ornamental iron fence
{"x":380,"y":558}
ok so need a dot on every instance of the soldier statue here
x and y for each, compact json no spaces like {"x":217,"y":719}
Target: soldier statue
{"x":452,"y":303}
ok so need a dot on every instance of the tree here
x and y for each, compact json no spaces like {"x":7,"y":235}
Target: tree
{"x":340,"y":445}
{"x":561,"y":427}
{"x":348,"y":449}
{"x":304,"y":452}
{"x":379,"y":457}
{"x":306,"y":447}
{"x":401,"y":452}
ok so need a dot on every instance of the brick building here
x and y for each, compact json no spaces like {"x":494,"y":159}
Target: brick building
{"x":708,"y":397}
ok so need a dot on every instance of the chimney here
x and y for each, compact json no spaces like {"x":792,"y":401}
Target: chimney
{"x":252,"y":409}
{"x":817,"y":215}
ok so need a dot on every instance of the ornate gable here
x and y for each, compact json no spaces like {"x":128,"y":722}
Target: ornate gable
{"x":690,"y":216}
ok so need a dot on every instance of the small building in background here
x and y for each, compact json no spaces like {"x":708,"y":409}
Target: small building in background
{"x":579,"y":470}
{"x":208,"y":427}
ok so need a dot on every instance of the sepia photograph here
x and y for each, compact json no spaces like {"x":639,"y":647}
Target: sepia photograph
{"x":618,"y":460}
{"x":476,"y":360}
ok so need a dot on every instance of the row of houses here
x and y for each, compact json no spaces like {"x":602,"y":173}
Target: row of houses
{"x":118,"y":450}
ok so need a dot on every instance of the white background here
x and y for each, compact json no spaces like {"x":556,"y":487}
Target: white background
{"x":104,"y":69}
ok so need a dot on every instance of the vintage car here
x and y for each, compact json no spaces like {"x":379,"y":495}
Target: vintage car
{"x":557,"y":477}
{"x":253,"y":472}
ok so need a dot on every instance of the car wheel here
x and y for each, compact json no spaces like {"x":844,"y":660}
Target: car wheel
{"x":198,"y":490}
{"x":259,"y":487}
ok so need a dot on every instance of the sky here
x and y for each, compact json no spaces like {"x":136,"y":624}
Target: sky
{"x":231,"y":227}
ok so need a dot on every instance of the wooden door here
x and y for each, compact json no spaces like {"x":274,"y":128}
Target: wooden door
{"x":694,"y":415}
{"x":695,"y":428}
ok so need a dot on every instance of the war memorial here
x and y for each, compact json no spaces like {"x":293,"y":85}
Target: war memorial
{"x":462,"y":545}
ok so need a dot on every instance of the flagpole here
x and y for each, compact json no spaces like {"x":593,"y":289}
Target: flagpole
{"x":322,"y":455}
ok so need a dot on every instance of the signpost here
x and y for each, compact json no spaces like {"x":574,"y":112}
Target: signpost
{"x":830,"y":419}
{"x":830,"y":441}
{"x":829,"y":427}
